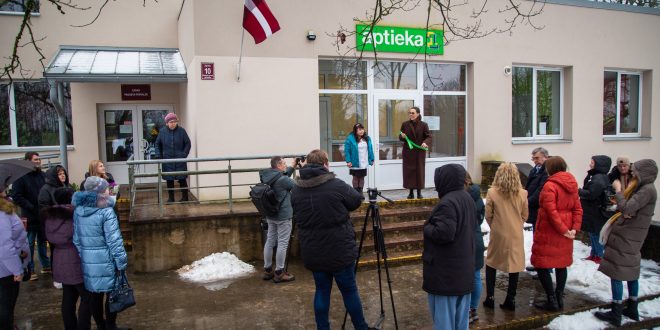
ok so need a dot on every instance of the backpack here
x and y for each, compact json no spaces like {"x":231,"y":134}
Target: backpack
{"x":264,"y":199}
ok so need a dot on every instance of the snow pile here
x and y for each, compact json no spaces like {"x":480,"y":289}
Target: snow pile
{"x":215,"y":267}
{"x":587,"y":321}
{"x":584,"y":277}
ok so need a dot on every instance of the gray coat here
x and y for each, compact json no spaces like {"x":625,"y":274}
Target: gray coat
{"x":282,"y":188}
{"x":622,"y":253}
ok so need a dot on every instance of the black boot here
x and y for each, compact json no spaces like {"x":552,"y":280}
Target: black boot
{"x":560,"y":299}
{"x":613,"y":316}
{"x":549,"y":305}
{"x":358,"y":189}
{"x":419,"y":193}
{"x":489,"y":302}
{"x":170,"y":192}
{"x":184,"y":190}
{"x":509,"y":303}
{"x":631,"y":310}
{"x":411,"y":195}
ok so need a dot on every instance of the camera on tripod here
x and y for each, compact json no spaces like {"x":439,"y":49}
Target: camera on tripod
{"x":373,"y":194}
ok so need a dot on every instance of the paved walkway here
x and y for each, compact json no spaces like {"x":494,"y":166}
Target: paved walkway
{"x":166,"y":302}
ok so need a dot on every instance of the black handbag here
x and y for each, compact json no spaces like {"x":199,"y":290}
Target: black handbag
{"x":121,"y":297}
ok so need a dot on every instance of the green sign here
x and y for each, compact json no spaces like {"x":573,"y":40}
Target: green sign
{"x":396,"y":39}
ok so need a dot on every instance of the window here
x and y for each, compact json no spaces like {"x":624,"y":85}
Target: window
{"x":18,"y":6}
{"x":342,"y":104}
{"x":27,"y":117}
{"x":621,"y":103}
{"x":537,"y":102}
{"x":395,"y":75}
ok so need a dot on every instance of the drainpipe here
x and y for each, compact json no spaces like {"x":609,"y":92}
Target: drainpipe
{"x":57,"y":98}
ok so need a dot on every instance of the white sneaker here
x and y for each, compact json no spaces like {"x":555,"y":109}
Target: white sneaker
{"x":57,"y":285}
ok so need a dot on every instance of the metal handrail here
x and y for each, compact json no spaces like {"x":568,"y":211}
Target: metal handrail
{"x":132,"y":176}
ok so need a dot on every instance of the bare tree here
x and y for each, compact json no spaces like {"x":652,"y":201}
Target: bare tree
{"x":640,"y":3}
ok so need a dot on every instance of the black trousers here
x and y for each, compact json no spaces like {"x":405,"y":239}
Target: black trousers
{"x":183,"y":183}
{"x":97,"y":305}
{"x":491,"y":274}
{"x":546,"y":279}
{"x":8,"y":297}
{"x":70,"y":295}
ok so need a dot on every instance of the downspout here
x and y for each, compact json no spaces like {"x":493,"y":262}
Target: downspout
{"x":57,"y":98}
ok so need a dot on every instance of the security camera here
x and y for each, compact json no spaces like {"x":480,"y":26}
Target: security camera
{"x":507,"y":70}
{"x":311,"y":36}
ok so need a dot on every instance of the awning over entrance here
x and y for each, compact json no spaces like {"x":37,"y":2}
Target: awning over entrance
{"x":112,"y":64}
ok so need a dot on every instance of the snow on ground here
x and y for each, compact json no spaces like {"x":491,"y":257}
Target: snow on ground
{"x":587,"y":321}
{"x":584,"y":277}
{"x":215,"y":267}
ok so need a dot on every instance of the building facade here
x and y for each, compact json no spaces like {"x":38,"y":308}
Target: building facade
{"x":579,"y":84}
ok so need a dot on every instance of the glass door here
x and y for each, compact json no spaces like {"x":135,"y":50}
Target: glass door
{"x":129,"y":132}
{"x":390,"y":110}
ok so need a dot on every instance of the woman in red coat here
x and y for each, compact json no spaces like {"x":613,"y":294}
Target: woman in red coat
{"x":559,"y":218}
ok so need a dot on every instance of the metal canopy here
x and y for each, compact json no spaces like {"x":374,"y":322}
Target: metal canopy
{"x":111,"y":64}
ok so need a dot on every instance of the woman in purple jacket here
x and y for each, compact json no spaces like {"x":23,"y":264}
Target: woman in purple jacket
{"x":58,"y":226}
{"x":13,"y":250}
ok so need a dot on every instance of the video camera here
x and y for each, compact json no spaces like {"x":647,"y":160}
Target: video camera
{"x":300,"y":160}
{"x":373,"y":194}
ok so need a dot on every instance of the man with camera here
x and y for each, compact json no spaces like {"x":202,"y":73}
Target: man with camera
{"x":279,"y":224}
{"x":321,"y":204}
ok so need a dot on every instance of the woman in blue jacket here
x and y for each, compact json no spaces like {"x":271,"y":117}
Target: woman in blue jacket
{"x":98,"y":239}
{"x":359,"y":154}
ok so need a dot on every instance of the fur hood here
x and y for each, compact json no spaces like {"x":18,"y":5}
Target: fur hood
{"x":312,"y":175}
{"x":646,"y":170}
{"x":89,"y":202}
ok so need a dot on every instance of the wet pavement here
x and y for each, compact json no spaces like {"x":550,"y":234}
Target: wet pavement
{"x":166,"y":302}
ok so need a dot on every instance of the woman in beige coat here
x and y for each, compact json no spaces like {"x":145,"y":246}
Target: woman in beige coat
{"x":506,"y":212}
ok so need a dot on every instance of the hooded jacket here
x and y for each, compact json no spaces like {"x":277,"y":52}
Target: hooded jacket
{"x":58,"y":227}
{"x":110,"y":179}
{"x":13,"y":240}
{"x":592,"y":195}
{"x":282,"y":188}
{"x":560,"y":212}
{"x":448,"y":256}
{"x":321,"y":208}
{"x":46,"y":194}
{"x":622,"y":253}
{"x":98,"y":239}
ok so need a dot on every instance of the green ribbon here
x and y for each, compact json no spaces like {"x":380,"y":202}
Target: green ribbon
{"x":412,"y":145}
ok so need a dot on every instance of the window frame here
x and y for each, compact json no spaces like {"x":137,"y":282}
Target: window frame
{"x":21,"y":13}
{"x":640,"y":107}
{"x":13,"y":146}
{"x":535,"y":136}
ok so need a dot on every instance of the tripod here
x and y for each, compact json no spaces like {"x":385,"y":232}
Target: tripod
{"x":381,"y":254}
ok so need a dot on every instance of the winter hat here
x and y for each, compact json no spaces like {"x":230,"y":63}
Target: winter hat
{"x":96,"y":184}
{"x":170,"y":116}
{"x":623,"y":160}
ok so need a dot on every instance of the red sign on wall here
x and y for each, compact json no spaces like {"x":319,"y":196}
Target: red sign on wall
{"x":135,"y":92}
{"x":208,"y":71}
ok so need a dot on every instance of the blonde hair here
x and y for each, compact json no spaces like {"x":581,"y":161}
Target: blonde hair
{"x":7,"y":206}
{"x":507,"y":179}
{"x":93,"y":165}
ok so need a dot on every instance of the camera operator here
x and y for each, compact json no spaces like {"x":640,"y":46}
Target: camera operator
{"x":279,"y":225}
{"x":321,"y":205}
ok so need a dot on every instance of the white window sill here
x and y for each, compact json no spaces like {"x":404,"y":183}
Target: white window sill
{"x":626,"y":138}
{"x":541,"y":141}
{"x":37,"y":149}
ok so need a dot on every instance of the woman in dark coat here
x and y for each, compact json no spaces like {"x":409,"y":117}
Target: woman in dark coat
{"x":559,"y":218}
{"x":448,"y":237}
{"x":622,"y":257}
{"x":475,"y":192}
{"x":58,"y":226}
{"x":56,"y":177}
{"x":173,"y":142}
{"x":414,"y":160}
{"x":592,"y":196}
{"x":97,"y":168}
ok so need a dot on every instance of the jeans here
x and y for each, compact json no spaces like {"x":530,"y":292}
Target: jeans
{"x":596,"y":247}
{"x":617,"y":289}
{"x":279,"y":233}
{"x":70,"y":295}
{"x":345,"y":279}
{"x":449,"y":312}
{"x":476,"y":290}
{"x":8,"y":297}
{"x":41,"y":249}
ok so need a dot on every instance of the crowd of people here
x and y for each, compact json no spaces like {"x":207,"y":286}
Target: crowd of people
{"x":613,"y":206}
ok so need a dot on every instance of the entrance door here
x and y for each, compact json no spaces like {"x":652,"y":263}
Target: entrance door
{"x":387,"y":113}
{"x":129,"y":132}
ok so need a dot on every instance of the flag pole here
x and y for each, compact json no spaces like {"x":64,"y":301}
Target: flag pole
{"x":240,"y":58}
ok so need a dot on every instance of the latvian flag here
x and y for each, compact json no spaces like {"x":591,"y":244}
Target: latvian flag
{"x":258,"y":20}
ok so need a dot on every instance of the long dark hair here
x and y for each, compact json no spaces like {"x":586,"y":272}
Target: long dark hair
{"x":419,"y":112}
{"x":355,"y":128}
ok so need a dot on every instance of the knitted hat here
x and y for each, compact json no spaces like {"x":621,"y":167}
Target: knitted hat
{"x":96,"y":184}
{"x":171,"y":116}
{"x":623,"y":160}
